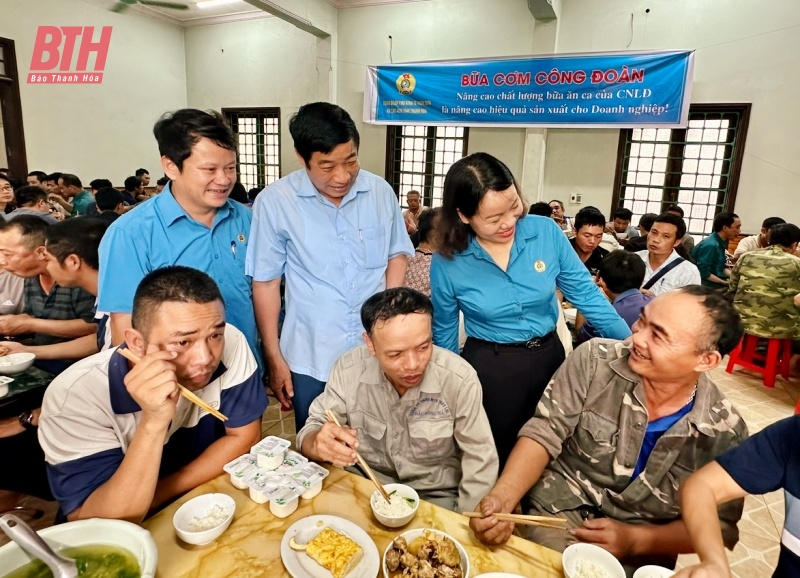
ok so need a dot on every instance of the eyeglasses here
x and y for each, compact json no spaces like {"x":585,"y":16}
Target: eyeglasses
{"x":6,"y":188}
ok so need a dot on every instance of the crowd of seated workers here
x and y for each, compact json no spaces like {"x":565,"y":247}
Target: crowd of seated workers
{"x":436,"y":336}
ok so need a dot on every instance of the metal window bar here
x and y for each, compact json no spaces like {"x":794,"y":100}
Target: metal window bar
{"x":418,"y":158}
{"x":257,"y":132}
{"x":696,"y":168}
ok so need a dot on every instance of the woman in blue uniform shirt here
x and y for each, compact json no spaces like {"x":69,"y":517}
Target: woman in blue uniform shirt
{"x":501,"y":269}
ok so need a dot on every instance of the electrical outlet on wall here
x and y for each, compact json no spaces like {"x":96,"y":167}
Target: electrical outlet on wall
{"x":575,"y":199}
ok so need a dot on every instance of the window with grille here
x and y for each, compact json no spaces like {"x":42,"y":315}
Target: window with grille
{"x":696,"y":167}
{"x":258,"y":133}
{"x":418,"y":158}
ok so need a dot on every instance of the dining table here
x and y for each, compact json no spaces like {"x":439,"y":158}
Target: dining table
{"x":250,"y":547}
{"x":25,"y":391}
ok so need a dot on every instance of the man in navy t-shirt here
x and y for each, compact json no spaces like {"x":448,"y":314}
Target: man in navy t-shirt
{"x":764,"y":463}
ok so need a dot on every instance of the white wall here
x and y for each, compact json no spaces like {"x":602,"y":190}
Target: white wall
{"x":434,"y":30}
{"x":747,"y":51}
{"x":265,"y":62}
{"x":100,"y":130}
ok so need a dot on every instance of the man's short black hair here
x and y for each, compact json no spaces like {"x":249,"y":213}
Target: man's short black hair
{"x":53,"y":177}
{"x":71,"y":180}
{"x":140,"y":172}
{"x":722,"y":220}
{"x":784,"y":234}
{"x":541,"y":208}
{"x":162,"y":181}
{"x":671,"y":219}
{"x":560,"y":203}
{"x":674,"y":209}
{"x":176,"y":284}
{"x":589,"y":217}
{"x":132,"y":183}
{"x":726,"y":325}
{"x":623,"y":213}
{"x":29,"y":195}
{"x":425,"y":223}
{"x":647,"y":220}
{"x":108,"y":198}
{"x":621,"y":270}
{"x":321,"y":127}
{"x":40,"y":175}
{"x":80,"y":237}
{"x":31,"y":228}
{"x":770,"y":222}
{"x":391,"y":303}
{"x":177,"y":132}
{"x":253,"y":193}
{"x":98,"y":184}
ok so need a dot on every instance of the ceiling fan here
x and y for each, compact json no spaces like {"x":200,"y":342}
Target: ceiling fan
{"x":123,"y":5}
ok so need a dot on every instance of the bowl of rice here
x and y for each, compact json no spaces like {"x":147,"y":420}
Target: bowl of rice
{"x":402,"y":508}
{"x":590,"y":561}
{"x":16,"y":363}
{"x":651,"y":571}
{"x":203,"y":519}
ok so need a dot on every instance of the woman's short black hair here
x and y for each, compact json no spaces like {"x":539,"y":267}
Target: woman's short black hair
{"x":391,"y":303}
{"x":177,"y":132}
{"x":466,"y":183}
{"x":425,"y":223}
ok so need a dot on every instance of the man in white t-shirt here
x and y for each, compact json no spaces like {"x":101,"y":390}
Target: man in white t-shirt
{"x":756,"y":242}
{"x":665,"y":270}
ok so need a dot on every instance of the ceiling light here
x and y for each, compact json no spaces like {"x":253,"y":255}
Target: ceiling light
{"x":214,"y":3}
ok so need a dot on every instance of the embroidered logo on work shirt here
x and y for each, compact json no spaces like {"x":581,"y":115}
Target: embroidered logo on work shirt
{"x":539,"y":266}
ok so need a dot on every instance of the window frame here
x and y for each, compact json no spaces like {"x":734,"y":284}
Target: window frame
{"x":675,"y":158}
{"x":261,"y":168}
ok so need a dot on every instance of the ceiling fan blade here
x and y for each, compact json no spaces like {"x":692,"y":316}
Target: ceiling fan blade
{"x":158,"y":4}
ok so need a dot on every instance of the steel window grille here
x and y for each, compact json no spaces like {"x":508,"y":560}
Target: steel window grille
{"x":418,"y":158}
{"x":258,"y":134}
{"x":696,"y":167}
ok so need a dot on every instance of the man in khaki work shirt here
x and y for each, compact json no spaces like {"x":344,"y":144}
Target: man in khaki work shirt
{"x":619,"y":428}
{"x":413,"y":411}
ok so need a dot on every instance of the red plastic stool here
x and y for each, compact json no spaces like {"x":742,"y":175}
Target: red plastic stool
{"x":776,"y":360}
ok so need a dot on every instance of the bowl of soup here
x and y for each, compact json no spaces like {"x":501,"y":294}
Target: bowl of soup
{"x":103,"y":547}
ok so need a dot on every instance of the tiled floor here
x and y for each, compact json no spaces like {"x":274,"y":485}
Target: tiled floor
{"x":757,"y":551}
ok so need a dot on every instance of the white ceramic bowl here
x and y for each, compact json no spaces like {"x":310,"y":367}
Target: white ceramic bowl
{"x":410,"y":535}
{"x":403,"y":491}
{"x":16,"y":363}
{"x":573,"y":554}
{"x":96,"y":531}
{"x":651,"y":571}
{"x":197,"y":508}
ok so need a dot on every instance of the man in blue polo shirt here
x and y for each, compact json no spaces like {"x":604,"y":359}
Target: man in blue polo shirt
{"x":766,"y":462}
{"x":190,"y":223}
{"x":337,"y":235}
{"x":118,"y":438}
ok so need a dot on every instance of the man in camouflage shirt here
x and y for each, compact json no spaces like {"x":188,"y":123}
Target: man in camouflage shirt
{"x":617,"y":430}
{"x":764,"y":283}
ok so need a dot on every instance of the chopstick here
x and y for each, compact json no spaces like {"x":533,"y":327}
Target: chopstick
{"x":543,"y":521}
{"x":185,"y":392}
{"x":361,"y":461}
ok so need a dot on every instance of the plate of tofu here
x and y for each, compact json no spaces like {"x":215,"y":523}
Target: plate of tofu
{"x":329,"y":547}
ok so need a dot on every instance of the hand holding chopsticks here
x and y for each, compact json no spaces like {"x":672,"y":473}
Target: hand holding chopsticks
{"x":541,"y":521}
{"x":331,"y":417}
{"x":185,"y":392}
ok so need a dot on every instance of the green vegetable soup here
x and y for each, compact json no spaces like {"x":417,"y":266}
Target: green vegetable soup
{"x":92,"y":561}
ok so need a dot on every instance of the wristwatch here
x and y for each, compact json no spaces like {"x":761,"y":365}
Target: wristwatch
{"x":26,"y":419}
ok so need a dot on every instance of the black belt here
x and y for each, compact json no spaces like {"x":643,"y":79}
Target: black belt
{"x":532,"y":343}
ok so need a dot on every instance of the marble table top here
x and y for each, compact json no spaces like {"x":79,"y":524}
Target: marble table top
{"x":250,"y":547}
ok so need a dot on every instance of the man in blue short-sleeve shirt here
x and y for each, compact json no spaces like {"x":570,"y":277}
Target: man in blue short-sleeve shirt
{"x":192,"y":223}
{"x":766,"y":462}
{"x":118,"y":438}
{"x":337,"y":236}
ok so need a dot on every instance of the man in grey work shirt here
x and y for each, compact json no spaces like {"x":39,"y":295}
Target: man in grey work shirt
{"x":414,"y":410}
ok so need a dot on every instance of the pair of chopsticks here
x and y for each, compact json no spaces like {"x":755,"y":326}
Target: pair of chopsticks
{"x":185,"y":391}
{"x":525,"y":520}
{"x":331,"y":417}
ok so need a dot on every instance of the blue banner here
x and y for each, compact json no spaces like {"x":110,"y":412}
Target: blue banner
{"x":616,"y":90}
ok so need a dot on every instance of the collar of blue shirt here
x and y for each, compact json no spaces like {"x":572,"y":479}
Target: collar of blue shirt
{"x":707,"y":395}
{"x":626,"y":294}
{"x":121,"y":400}
{"x":172,"y":211}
